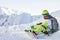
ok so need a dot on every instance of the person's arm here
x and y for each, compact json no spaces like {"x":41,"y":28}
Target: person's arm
{"x":39,"y":23}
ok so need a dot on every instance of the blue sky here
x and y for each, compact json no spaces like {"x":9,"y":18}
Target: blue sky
{"x":33,"y":7}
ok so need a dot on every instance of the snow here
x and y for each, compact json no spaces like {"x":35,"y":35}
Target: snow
{"x":16,"y":32}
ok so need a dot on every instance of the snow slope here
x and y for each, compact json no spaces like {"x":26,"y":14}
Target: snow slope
{"x":16,"y":32}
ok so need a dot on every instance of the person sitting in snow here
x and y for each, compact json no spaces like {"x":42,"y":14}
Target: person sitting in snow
{"x":38,"y":28}
{"x":52,"y":21}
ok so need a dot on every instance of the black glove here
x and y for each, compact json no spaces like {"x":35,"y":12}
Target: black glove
{"x":39,"y":23}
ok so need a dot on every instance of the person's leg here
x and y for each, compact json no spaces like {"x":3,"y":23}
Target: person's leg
{"x":34,"y":33}
{"x":46,"y":33}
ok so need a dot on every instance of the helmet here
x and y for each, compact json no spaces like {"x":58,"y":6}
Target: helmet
{"x":45,"y":12}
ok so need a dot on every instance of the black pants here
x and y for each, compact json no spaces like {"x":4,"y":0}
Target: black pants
{"x":45,"y":32}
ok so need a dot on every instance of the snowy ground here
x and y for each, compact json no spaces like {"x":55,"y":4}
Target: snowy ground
{"x":16,"y":32}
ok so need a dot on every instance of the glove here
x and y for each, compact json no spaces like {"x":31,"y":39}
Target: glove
{"x":39,"y":23}
{"x":32,"y":26}
{"x":27,"y":30}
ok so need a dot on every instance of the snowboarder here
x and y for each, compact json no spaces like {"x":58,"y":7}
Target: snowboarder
{"x":37,"y":29}
{"x":53,"y":24}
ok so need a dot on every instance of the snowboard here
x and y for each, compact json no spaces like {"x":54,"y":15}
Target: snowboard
{"x":31,"y":34}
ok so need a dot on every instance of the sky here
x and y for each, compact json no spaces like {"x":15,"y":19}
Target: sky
{"x":33,"y":7}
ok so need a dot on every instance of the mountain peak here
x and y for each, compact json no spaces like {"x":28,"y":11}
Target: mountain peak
{"x":7,"y":11}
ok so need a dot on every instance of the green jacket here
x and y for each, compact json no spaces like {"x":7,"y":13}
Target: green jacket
{"x":38,"y":28}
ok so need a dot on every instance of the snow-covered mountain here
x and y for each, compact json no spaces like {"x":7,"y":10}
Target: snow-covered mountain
{"x":19,"y":19}
{"x":22,"y":18}
{"x":14,"y":18}
{"x":7,"y":11}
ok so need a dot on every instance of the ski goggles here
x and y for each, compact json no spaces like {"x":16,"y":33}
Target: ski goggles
{"x":46,"y":16}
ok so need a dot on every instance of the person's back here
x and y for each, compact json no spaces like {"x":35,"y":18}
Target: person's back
{"x":53,"y":22}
